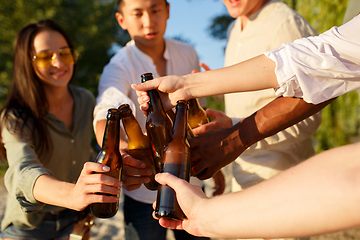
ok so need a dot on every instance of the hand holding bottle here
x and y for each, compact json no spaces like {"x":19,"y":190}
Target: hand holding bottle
{"x":90,"y":184}
{"x":191,"y":199}
{"x":109,"y":155}
{"x":134,"y":171}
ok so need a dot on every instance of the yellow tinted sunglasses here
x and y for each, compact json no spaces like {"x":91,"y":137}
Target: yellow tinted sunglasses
{"x":44,"y":59}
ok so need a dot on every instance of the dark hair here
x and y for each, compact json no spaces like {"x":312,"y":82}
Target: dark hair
{"x":120,"y":2}
{"x":27,"y":98}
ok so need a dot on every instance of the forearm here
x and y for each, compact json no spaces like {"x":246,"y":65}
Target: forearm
{"x":49,"y":190}
{"x":254,"y":74}
{"x":317,"y":196}
{"x":276,"y":116}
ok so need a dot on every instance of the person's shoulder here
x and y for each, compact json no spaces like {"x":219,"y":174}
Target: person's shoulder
{"x":13,"y":117}
{"x":280,"y":11}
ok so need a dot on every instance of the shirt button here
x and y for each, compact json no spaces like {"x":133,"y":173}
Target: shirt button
{"x":72,"y":141}
{"x":74,"y":162}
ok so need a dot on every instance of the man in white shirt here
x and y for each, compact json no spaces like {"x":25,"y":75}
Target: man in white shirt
{"x":262,"y":25}
{"x":148,"y":51}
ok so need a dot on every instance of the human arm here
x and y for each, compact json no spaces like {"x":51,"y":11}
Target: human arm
{"x":47,"y":189}
{"x":317,"y":196}
{"x":28,"y":167}
{"x":228,"y":143}
{"x":254,"y":74}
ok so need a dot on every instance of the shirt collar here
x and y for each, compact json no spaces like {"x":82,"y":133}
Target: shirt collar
{"x":144,"y":55}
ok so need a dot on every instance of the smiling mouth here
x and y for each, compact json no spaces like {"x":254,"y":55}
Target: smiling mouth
{"x":59,"y":73}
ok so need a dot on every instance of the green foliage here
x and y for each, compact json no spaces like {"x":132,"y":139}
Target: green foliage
{"x":215,"y":104}
{"x":321,"y":14}
{"x":91,"y":25}
{"x":340,"y":123}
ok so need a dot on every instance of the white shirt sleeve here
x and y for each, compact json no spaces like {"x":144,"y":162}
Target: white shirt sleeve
{"x":320,"y":68}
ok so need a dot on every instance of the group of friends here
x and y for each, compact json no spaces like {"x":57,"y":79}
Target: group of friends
{"x":277,"y":77}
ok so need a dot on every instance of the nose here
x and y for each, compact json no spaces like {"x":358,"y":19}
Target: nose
{"x":148,"y":19}
{"x":56,"y":60}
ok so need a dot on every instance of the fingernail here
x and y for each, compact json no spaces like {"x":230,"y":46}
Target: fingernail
{"x":106,"y":168}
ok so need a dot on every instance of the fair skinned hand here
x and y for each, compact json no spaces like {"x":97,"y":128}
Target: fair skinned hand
{"x":191,"y":198}
{"x":163,"y":85}
{"x":90,"y":183}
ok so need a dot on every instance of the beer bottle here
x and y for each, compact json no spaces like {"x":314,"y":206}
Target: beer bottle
{"x":139,"y":145}
{"x":190,"y":132}
{"x":158,"y":123}
{"x":176,"y":160}
{"x":110,"y":156}
{"x":197,"y":115}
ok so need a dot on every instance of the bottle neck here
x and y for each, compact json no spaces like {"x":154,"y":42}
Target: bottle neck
{"x":112,"y":133}
{"x":180,"y":123}
{"x":155,"y":103}
{"x":193,"y":104}
{"x":131,"y":126}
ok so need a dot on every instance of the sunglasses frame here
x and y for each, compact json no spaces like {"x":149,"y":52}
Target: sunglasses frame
{"x":47,"y":62}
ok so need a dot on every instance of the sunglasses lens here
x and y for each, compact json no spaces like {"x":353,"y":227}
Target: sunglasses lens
{"x":43,"y":59}
{"x":66,"y":56}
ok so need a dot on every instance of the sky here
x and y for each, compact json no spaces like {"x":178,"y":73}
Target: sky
{"x":190,"y":20}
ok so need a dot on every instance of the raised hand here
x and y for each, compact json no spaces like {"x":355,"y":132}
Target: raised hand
{"x":172,"y":85}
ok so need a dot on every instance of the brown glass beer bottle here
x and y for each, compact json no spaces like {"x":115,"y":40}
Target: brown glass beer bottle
{"x":176,"y":160}
{"x":110,"y":156}
{"x":139,"y":145}
{"x":197,"y":115}
{"x":190,"y":132}
{"x":158,"y":123}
